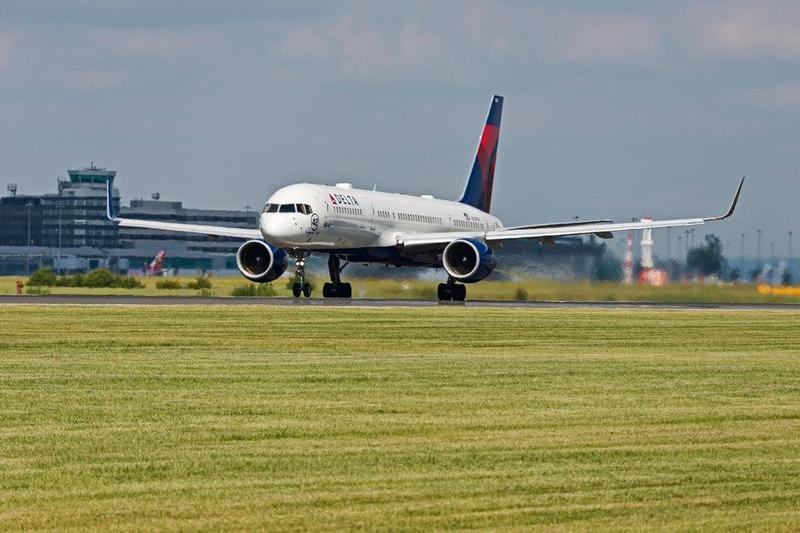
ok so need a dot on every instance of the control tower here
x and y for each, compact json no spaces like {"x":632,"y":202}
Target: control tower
{"x":89,"y":175}
{"x":78,"y":212}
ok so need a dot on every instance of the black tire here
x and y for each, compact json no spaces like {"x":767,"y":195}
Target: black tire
{"x":444,"y":293}
{"x":296,"y":290}
{"x":337,"y":290}
{"x":306,"y":290}
{"x":459,"y":292}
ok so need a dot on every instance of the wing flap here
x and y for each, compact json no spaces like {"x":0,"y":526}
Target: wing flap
{"x":604,"y":230}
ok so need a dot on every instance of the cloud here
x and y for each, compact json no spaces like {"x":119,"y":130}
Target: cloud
{"x":158,"y":43}
{"x":748,"y":30}
{"x":8,"y":46}
{"x":608,"y":37}
{"x":785,"y":96}
{"x":357,"y":45}
{"x":158,"y":13}
{"x":98,"y":80}
{"x":531,"y":33}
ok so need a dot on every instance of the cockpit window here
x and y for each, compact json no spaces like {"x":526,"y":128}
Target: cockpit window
{"x":288,"y":208}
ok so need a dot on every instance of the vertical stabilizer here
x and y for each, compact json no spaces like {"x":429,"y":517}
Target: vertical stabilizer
{"x":478,"y":190}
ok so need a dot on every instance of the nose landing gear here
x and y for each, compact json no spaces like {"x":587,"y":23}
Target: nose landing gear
{"x":336,"y":289}
{"x":300,"y":286}
{"x":451,"y":291}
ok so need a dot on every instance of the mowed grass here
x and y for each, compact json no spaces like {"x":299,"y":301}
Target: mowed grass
{"x":436,"y":418}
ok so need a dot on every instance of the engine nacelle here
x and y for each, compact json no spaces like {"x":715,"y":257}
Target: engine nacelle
{"x":468,"y":260}
{"x":260,"y":262}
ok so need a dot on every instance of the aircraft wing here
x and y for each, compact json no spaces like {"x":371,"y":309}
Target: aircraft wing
{"x":548,"y":231}
{"x":218,"y":231}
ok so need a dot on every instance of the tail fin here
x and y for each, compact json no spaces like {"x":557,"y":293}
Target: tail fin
{"x":478,"y":190}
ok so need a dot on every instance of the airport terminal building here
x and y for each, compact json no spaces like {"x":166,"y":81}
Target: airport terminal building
{"x":69,"y":231}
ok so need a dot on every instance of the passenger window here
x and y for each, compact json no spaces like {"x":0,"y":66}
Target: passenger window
{"x":287,"y":208}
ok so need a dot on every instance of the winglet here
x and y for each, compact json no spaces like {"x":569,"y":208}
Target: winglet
{"x":732,"y":207}
{"x":110,"y":201}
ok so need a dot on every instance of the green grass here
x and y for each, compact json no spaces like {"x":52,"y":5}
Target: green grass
{"x":535,"y":289}
{"x":434,"y":418}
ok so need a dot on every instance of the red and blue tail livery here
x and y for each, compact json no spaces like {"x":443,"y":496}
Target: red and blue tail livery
{"x":478,"y":191}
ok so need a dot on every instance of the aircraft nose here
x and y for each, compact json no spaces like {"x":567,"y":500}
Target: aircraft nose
{"x":277,"y":227}
{"x":269,"y":225}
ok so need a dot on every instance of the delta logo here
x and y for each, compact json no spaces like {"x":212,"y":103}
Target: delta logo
{"x":343,"y":199}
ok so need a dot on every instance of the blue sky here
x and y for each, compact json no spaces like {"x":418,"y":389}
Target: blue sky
{"x":615,"y":109}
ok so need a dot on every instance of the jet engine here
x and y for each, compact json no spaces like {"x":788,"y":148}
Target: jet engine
{"x":260,"y":262}
{"x":468,"y":260}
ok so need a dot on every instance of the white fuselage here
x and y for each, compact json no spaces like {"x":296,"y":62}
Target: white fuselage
{"x":324,"y":217}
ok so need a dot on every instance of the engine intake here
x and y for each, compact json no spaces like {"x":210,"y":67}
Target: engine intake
{"x":260,"y":262}
{"x":468,"y":260}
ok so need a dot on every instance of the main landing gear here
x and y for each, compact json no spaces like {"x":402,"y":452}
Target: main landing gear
{"x":336,"y":289}
{"x":300,"y":286}
{"x":451,"y":291}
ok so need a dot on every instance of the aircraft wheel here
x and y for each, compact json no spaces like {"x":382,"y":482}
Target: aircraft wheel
{"x":306,"y":290}
{"x":459,"y":292}
{"x":346,"y":290}
{"x":443,"y":292}
{"x":296,"y":290}
{"x":337,"y":290}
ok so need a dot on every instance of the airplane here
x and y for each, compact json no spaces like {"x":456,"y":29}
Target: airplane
{"x":353,"y":225}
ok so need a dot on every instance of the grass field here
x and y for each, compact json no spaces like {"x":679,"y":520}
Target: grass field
{"x":530,"y":289}
{"x":436,"y":418}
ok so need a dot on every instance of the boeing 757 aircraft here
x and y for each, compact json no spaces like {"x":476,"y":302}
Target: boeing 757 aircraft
{"x":368,"y":226}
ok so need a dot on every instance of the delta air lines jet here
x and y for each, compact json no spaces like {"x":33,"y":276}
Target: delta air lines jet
{"x":368,"y":226}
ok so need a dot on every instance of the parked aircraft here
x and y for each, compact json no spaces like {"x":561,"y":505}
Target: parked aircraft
{"x":156,"y":266}
{"x":368,"y":226}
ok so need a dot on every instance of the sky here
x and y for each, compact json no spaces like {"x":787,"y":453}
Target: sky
{"x":614,"y":109}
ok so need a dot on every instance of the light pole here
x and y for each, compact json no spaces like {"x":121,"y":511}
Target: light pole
{"x":59,"y":239}
{"x":789,"y":248}
{"x":669,"y":244}
{"x":741,"y":257}
{"x":758,"y":246}
{"x":28,"y":241}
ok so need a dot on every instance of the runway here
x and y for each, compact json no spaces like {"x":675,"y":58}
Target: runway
{"x":334,"y":302}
